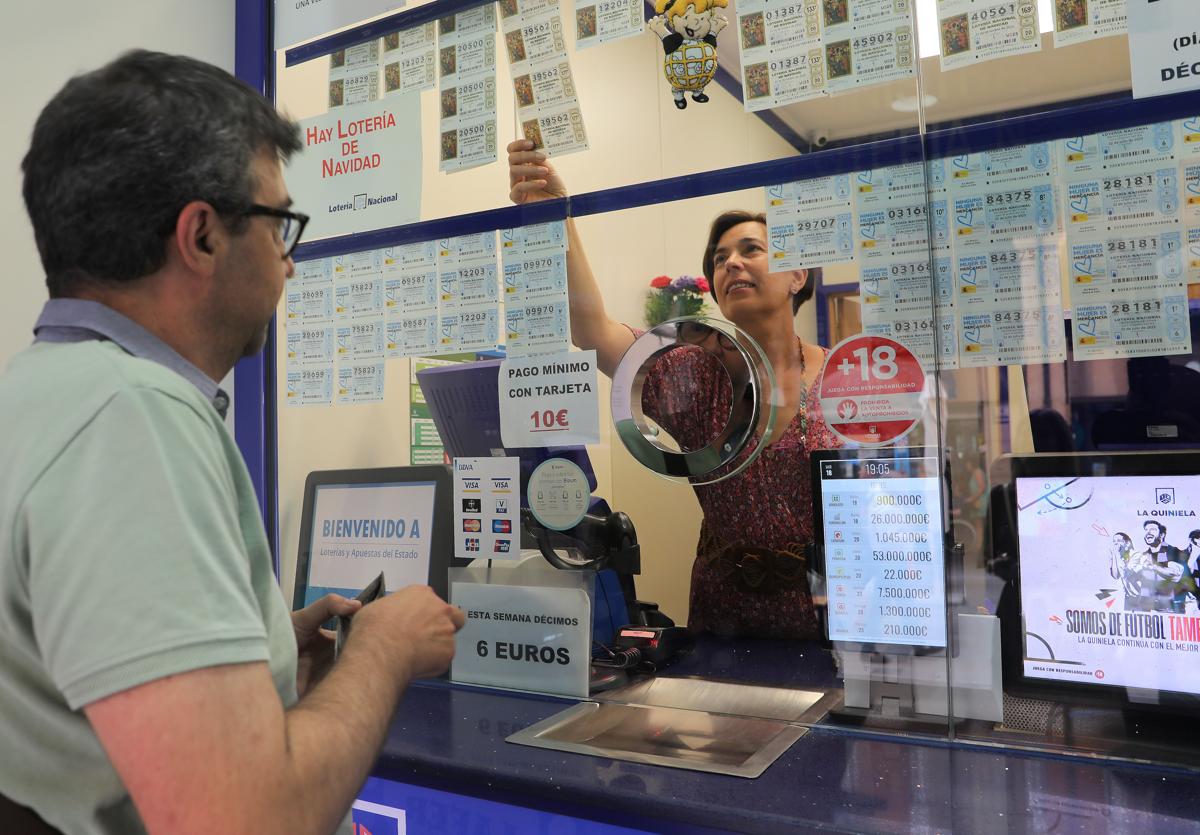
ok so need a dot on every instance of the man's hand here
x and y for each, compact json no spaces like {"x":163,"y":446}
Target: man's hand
{"x":416,"y":624}
{"x":531,"y":177}
{"x":314,"y":644}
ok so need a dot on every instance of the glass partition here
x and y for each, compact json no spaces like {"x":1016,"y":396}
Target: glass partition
{"x":968,"y":511}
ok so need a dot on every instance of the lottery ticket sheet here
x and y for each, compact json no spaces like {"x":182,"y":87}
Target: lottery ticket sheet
{"x":354,"y":75}
{"x":810,"y":223}
{"x":782,"y":57}
{"x":410,"y":60}
{"x":309,"y":334}
{"x":547,"y":106}
{"x":410,"y":298}
{"x":867,"y":42}
{"x":468,"y":293}
{"x":536,"y":313}
{"x":466,"y":50}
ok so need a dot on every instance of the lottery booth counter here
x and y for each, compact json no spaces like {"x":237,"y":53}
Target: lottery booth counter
{"x":922,"y":560}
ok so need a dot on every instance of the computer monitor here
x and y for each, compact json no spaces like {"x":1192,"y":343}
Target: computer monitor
{"x":1102,"y":603}
{"x":881,"y":545}
{"x":464,"y":401}
{"x":357,"y":523}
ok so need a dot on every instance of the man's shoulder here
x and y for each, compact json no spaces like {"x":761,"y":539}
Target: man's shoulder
{"x":88,"y":371}
{"x":52,"y":392}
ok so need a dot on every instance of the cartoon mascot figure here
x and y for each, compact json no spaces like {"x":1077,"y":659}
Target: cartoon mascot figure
{"x":688,"y":30}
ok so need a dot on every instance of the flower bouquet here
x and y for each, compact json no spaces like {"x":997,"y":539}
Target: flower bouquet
{"x":671,"y":298}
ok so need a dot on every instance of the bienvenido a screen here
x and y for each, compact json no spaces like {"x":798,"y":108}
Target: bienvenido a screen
{"x":1108,"y":594}
{"x":884,"y":551}
{"x":359,"y":530}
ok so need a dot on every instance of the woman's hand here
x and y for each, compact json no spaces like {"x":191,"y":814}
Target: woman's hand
{"x":530,"y":176}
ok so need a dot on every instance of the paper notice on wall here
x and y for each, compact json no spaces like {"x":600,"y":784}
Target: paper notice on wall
{"x":605,"y":21}
{"x":360,"y":168}
{"x":1164,"y":46}
{"x":974,"y":31}
{"x":467,"y":58}
{"x":1076,"y":21}
{"x":549,"y":401}
{"x":487,"y":504}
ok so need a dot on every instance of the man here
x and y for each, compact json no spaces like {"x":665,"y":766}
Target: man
{"x":1163,"y":571}
{"x":150,"y":675}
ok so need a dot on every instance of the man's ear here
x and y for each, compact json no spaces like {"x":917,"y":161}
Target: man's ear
{"x":198,"y":233}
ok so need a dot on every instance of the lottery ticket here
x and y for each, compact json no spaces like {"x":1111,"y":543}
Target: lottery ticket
{"x":877,"y":187}
{"x":310,"y":303}
{"x":982,"y":219}
{"x":410,"y":60}
{"x":605,"y":21}
{"x":1100,"y":154}
{"x":412,"y":335}
{"x":1133,"y":199}
{"x":1132,"y":326}
{"x":311,"y":345}
{"x":1012,"y":335}
{"x":360,"y":382}
{"x":466,"y":101}
{"x":1188,"y":132}
{"x":1018,"y":165}
{"x":363,"y":264}
{"x":535,"y":237}
{"x":315,"y":270}
{"x":974,"y":31}
{"x":360,"y":340}
{"x":535,"y":276}
{"x":1006,"y":277}
{"x":410,"y":290}
{"x":309,"y":386}
{"x":1141,"y":264}
{"x":537,"y":328}
{"x":557,"y":130}
{"x":1076,"y":21}
{"x":533,"y":37}
{"x":544,"y":86}
{"x":358,"y":298}
{"x":473,"y":329}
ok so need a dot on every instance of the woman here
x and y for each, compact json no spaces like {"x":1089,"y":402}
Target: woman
{"x":750,"y":574}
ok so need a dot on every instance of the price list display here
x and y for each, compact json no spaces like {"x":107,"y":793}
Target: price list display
{"x":884,"y":554}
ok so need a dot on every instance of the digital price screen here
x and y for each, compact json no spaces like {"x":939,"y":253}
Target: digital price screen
{"x":884,"y":549}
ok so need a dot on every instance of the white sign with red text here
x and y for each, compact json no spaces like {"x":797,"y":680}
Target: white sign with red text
{"x":549,"y":400}
{"x":360,"y":168}
{"x":871,"y":390}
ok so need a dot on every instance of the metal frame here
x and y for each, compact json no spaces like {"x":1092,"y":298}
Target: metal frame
{"x":255,"y":424}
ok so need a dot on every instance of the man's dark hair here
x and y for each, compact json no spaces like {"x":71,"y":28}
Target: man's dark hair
{"x":118,"y":153}
{"x":726,"y":221}
{"x":1162,"y":529}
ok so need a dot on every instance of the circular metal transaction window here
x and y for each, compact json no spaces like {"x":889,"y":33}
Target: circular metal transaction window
{"x":670,"y":383}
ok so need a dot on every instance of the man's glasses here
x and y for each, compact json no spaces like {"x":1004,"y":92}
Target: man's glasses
{"x":291,"y":225}
{"x":694,"y":333}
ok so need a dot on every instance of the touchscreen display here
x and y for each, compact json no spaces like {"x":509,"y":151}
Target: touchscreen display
{"x":1108,"y":580}
{"x":359,"y":530}
{"x":884,"y":553}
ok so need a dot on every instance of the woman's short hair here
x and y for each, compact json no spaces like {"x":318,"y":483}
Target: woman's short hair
{"x":726,"y":221}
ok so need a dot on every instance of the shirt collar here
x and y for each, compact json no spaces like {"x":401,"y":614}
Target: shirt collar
{"x":80,"y":320}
